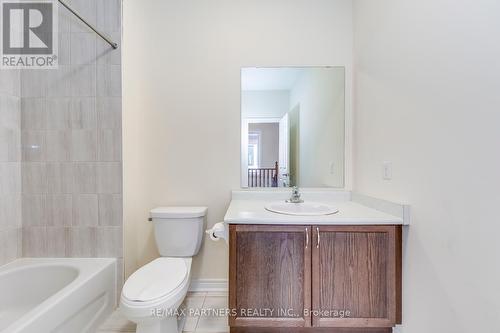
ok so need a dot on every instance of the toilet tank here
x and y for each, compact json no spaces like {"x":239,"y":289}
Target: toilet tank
{"x":178,"y":230}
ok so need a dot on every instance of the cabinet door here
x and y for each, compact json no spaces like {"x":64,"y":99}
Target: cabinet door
{"x":270,"y":276}
{"x":356,"y":276}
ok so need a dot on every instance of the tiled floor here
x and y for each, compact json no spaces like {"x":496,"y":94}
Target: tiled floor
{"x":200,"y":315}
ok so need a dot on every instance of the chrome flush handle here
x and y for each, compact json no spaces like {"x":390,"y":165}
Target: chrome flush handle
{"x":307,"y":238}
{"x":319,"y":238}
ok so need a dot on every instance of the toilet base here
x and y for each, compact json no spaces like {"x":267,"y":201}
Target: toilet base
{"x":164,"y":325}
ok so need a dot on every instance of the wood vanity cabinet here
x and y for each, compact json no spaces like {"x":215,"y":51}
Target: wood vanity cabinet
{"x":270,"y":269}
{"x":314,"y":278}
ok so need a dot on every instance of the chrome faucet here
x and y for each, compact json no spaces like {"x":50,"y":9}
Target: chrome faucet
{"x":295,"y":198}
{"x":285,"y":179}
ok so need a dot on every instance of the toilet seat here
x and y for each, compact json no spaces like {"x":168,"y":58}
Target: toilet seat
{"x":160,"y":279}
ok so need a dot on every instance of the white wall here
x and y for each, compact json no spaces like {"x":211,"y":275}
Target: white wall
{"x":181,"y":71}
{"x":319,"y":92}
{"x":264,"y":103}
{"x":269,"y":140}
{"x":427,"y":82}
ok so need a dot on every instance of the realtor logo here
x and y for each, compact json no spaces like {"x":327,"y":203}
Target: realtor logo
{"x":29,"y":34}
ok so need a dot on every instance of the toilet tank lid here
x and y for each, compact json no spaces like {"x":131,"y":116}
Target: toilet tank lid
{"x":178,"y":212}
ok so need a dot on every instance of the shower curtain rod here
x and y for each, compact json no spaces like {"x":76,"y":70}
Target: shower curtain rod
{"x":103,"y":36}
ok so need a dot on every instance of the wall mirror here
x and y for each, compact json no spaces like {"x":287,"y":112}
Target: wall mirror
{"x":292,"y":127}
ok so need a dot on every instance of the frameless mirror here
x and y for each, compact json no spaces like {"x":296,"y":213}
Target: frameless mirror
{"x":292,"y":126}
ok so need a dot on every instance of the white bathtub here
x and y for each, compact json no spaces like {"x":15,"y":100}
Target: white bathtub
{"x":56,"y":295}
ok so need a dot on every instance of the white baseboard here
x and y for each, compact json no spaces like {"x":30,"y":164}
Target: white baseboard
{"x":204,"y":285}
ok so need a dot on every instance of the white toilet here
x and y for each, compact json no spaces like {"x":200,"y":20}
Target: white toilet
{"x":152,"y":294}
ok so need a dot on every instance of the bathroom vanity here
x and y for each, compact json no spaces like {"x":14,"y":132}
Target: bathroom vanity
{"x":317,"y":273}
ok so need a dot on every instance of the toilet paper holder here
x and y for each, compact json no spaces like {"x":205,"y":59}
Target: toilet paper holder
{"x":218,"y":232}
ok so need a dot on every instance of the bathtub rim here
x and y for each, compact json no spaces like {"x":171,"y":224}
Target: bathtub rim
{"x":87,"y":269}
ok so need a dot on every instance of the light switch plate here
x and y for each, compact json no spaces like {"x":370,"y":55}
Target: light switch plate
{"x":387,"y":170}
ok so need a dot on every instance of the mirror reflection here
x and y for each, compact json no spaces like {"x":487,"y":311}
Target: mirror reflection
{"x":292,"y":127}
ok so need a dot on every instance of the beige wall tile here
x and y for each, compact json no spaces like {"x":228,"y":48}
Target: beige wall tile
{"x":58,"y":145}
{"x":109,"y":80}
{"x":10,"y":145}
{"x":64,"y":51}
{"x":109,"y":112}
{"x":109,"y":15}
{"x":10,"y":177}
{"x":10,"y":165}
{"x":110,"y":210}
{"x":67,"y":190}
{"x":86,"y":8}
{"x":83,"y":113}
{"x":34,"y":242}
{"x":109,"y":143}
{"x":84,"y":178}
{"x":109,"y":241}
{"x":33,"y":146}
{"x":34,"y":210}
{"x":83,"y":145}
{"x":58,"y":113}
{"x":59,"y":210}
{"x":10,"y":83}
{"x":9,"y":115}
{"x":34,"y":83}
{"x":83,"y":80}
{"x":81,"y":242}
{"x":34,"y":178}
{"x":3,"y":246}
{"x":10,"y":211}
{"x":83,"y":48}
{"x":12,"y":248}
{"x":60,"y":177}
{"x":85,"y":210}
{"x":33,"y":113}
{"x":109,"y":177}
{"x":56,"y":241}
{"x":57,"y":81}
{"x":106,"y":55}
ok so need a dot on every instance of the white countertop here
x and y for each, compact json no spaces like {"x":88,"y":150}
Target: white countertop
{"x":250,"y":209}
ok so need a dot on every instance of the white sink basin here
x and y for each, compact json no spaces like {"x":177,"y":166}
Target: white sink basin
{"x":301,"y":209}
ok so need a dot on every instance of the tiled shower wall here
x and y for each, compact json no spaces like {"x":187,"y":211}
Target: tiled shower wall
{"x":71,"y":142}
{"x":10,"y":166}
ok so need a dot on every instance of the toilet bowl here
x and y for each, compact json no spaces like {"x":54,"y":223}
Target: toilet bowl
{"x":151,"y":296}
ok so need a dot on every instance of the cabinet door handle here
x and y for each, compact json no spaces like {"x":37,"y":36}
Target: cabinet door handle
{"x":319,"y":238}
{"x":307,"y":238}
